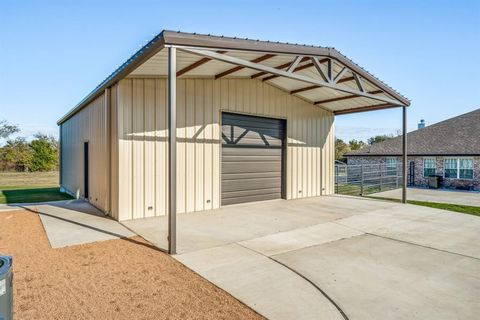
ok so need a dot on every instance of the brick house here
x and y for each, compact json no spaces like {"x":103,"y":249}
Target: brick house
{"x":449,"y":149}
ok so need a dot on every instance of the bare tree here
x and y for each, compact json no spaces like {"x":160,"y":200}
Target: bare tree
{"x":7,"y":129}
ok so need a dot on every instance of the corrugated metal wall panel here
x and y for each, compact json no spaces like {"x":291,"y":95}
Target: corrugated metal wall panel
{"x":90,"y":124}
{"x":310,"y":152}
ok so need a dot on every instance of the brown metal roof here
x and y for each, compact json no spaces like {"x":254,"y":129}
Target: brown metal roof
{"x":452,"y":137}
{"x":220,"y":42}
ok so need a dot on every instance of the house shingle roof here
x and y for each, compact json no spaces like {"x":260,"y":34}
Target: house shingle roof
{"x":456,"y":136}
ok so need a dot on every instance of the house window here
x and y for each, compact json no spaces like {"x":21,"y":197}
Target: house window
{"x":465,"y":166}
{"x":391,"y":166}
{"x":451,"y":168}
{"x":459,"y":168}
{"x":429,"y":166}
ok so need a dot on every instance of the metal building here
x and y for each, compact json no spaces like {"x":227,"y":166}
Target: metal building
{"x":254,"y":120}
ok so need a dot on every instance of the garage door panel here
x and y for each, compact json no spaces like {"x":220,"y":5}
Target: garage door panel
{"x":250,"y":184}
{"x":249,"y":193}
{"x":239,"y":133}
{"x":252,"y":153}
{"x":232,"y":151}
{"x":245,"y":167}
{"x":251,"y":175}
{"x":251,"y":121}
{"x":255,"y":142}
{"x":259,"y":155}
{"x":244,"y":158}
{"x":262,"y":197}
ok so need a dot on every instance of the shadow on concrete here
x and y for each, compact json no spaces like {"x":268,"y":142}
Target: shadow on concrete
{"x":92,"y":212}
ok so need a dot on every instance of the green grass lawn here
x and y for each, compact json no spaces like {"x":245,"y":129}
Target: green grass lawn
{"x":444,"y":206}
{"x":354,"y":190}
{"x":29,"y":194}
{"x":28,"y":187}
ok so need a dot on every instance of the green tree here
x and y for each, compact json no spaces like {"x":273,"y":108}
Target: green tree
{"x":379,"y":138}
{"x":15,"y":155}
{"x":44,"y":153}
{"x":356,"y":144}
{"x":7,"y":129}
{"x":340,"y":149}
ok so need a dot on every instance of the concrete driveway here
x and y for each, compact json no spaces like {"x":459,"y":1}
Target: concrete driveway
{"x":334,"y":257}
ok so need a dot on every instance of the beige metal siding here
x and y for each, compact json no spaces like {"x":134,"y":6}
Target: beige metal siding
{"x":114,"y":152}
{"x":90,"y":124}
{"x":142,"y":178}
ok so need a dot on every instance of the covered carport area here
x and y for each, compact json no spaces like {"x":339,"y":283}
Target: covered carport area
{"x":321,"y":76}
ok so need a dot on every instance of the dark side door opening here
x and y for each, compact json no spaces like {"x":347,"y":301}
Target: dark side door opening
{"x":85,"y":171}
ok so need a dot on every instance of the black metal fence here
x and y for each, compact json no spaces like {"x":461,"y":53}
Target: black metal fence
{"x":365,"y":179}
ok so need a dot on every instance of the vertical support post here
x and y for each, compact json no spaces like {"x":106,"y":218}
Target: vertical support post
{"x":381,"y":176}
{"x":361,"y":179}
{"x":404,"y":155}
{"x":396,"y":177}
{"x":60,"y":180}
{"x":336,"y":179}
{"x":172,"y":150}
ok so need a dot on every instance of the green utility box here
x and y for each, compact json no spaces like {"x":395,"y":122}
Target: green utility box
{"x":6,"y":288}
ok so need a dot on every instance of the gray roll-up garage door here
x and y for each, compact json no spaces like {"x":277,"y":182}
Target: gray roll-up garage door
{"x":252,"y":158}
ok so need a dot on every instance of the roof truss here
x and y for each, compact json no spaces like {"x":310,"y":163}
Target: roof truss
{"x":282,"y":66}
{"x":290,"y":73}
{"x":195,"y":65}
{"x":238,"y":68}
{"x":345,"y":97}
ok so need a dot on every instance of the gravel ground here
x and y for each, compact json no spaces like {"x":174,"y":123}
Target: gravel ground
{"x":116,"y":279}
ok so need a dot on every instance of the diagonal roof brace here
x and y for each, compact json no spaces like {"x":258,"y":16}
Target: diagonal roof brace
{"x":238,"y":68}
{"x":195,"y":65}
{"x":282,"y":73}
{"x":294,"y":64}
{"x":359,"y":82}
{"x":317,"y":65}
{"x":340,"y":74}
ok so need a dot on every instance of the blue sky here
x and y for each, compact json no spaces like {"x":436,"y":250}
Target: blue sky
{"x":53,"y":53}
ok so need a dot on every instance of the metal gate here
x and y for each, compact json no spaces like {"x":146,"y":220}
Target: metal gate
{"x":364,"y":179}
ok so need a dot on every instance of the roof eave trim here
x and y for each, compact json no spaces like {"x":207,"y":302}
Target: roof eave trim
{"x":205,"y":41}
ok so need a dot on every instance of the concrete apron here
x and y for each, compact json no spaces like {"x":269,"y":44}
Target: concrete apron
{"x":74,"y":222}
{"x":384,"y":261}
